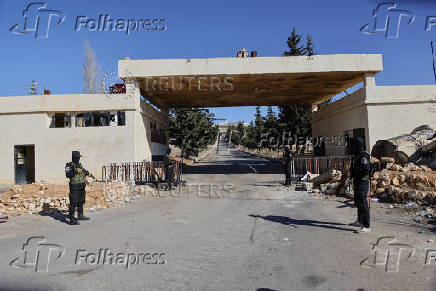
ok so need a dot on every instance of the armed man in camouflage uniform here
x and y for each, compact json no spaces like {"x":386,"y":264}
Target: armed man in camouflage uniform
{"x":77,"y":175}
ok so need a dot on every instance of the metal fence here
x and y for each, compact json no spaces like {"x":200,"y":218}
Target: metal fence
{"x":317,"y":165}
{"x":140,"y":172}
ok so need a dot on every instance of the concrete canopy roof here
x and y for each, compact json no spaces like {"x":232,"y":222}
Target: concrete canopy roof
{"x":222,"y":82}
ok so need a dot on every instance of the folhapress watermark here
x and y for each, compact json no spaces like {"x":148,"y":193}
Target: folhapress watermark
{"x":388,"y":20}
{"x":286,"y":138}
{"x":38,"y":19}
{"x":388,"y":254}
{"x":107,"y":23}
{"x":107,"y":257}
{"x":37,"y":254}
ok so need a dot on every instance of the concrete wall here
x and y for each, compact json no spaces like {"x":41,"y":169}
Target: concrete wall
{"x":384,"y":112}
{"x":24,"y":120}
{"x":345,"y":114}
{"x":396,"y":110}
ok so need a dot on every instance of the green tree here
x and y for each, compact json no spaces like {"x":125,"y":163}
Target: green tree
{"x":250,"y":139}
{"x":296,"y":119}
{"x":295,"y":48}
{"x":192,"y":130}
{"x":272,"y":129}
{"x":259,"y":128}
{"x":309,"y":49}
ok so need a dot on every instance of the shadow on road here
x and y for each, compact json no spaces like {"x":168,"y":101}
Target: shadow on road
{"x":346,"y":204}
{"x":294,"y":222}
{"x":59,"y":216}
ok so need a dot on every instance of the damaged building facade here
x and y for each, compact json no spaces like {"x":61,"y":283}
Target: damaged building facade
{"x":38,"y":133}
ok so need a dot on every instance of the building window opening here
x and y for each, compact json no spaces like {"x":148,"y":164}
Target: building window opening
{"x":121,"y":118}
{"x":88,"y":119}
{"x":100,"y":118}
{"x":60,"y":120}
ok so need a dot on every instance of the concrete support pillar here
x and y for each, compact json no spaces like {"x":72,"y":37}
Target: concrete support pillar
{"x":73,"y":119}
{"x":369,"y":80}
{"x":165,"y":112}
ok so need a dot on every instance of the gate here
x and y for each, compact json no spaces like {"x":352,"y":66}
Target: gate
{"x":140,"y":172}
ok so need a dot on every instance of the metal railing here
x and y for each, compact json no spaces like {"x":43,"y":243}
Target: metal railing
{"x":317,"y":165}
{"x":140,"y":172}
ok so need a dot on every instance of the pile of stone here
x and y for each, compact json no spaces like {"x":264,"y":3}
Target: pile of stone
{"x":410,"y":183}
{"x":330,"y":183}
{"x":417,"y":147}
{"x":36,"y":198}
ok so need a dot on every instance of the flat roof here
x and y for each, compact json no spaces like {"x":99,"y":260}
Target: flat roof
{"x":221,"y":82}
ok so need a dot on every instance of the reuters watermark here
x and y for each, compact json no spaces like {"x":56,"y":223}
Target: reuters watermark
{"x":189,"y":83}
{"x":200,"y":190}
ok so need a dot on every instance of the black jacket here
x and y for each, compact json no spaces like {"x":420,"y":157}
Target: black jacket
{"x":361,"y":167}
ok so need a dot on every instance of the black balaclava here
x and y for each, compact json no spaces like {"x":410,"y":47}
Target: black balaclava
{"x":359,"y":145}
{"x":76,"y":159}
{"x":287,"y":149}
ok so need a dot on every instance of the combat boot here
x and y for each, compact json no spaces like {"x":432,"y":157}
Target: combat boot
{"x":73,"y":220}
{"x":80,"y":215}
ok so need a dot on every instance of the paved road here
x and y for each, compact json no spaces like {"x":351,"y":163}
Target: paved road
{"x":249,"y":235}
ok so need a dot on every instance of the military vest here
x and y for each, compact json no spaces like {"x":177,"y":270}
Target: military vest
{"x":79,"y":178}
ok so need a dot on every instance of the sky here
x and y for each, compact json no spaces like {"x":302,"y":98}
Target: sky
{"x":201,"y":29}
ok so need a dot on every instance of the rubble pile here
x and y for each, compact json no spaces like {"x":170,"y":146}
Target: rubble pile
{"x":425,"y":216}
{"x":331,"y":176}
{"x":37,"y":197}
{"x":405,"y":184}
{"x":329,"y":183}
{"x":417,"y":147}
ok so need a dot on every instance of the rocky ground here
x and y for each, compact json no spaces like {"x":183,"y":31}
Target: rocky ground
{"x":37,"y":197}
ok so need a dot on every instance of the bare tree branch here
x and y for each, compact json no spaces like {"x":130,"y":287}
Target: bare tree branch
{"x":91,"y":72}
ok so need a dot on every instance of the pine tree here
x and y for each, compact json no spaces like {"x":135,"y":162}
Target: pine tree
{"x":272,"y":128}
{"x":309,"y":49}
{"x":297,"y":118}
{"x":258,"y":119}
{"x":295,"y":48}
{"x":192,"y":130}
{"x":259,"y":128}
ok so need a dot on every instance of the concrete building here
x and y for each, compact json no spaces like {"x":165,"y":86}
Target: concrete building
{"x":375,"y":113}
{"x":39,"y":132}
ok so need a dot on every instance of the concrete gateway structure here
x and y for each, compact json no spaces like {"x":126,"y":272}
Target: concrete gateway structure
{"x":38,"y":132}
